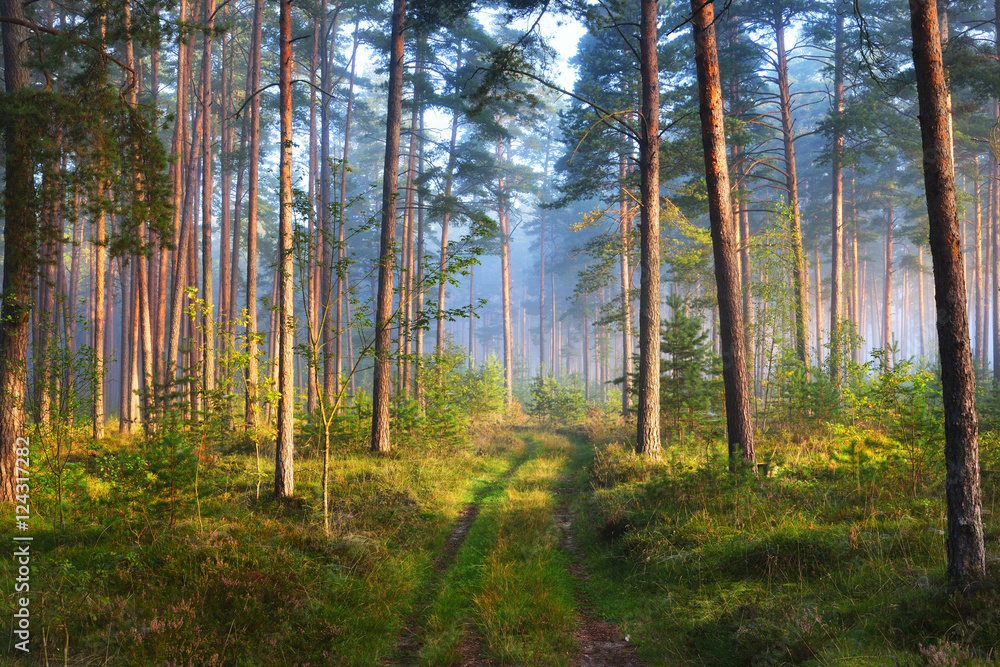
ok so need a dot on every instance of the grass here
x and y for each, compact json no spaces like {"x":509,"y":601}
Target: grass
{"x":152,"y":569}
{"x":510,"y":585}
{"x":838,"y":558}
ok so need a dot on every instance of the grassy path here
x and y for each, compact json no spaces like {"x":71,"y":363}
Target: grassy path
{"x":506,"y":588}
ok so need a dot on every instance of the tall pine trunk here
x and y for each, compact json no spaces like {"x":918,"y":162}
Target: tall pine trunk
{"x":252,"y":371}
{"x":383,"y":314}
{"x":208,"y":316}
{"x":887,"y":300}
{"x":739,"y":422}
{"x":648,"y":422}
{"x":965,"y":542}
{"x":18,"y":267}
{"x":625,"y":270}
{"x":284,"y":479}
{"x":792,"y":186}
{"x":837,"y":204}
{"x":508,"y":333}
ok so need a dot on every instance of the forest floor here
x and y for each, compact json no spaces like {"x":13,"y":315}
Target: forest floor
{"x":443,"y":554}
{"x":515,"y":545}
{"x":506,"y":586}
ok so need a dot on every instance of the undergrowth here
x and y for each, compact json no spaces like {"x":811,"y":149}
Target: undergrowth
{"x":836,"y":555}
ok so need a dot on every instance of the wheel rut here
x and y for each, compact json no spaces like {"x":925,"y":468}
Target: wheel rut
{"x":409,"y":642}
{"x":599,"y":643}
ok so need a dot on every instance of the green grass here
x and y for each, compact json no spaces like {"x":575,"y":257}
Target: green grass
{"x":146,"y":572}
{"x":836,"y":559}
{"x":510,"y":582}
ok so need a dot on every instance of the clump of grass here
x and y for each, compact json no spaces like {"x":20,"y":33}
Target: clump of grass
{"x":837,"y":556}
{"x":151,"y":569}
{"x":510,"y":583}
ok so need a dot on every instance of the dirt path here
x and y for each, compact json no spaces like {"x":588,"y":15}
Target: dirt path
{"x":408,"y":645}
{"x":599,"y":643}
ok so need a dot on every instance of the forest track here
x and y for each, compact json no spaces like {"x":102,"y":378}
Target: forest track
{"x":599,"y":643}
{"x":595,"y":641}
{"x":407,"y":650}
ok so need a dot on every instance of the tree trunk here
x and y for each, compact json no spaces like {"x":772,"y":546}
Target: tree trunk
{"x":284,"y":478}
{"x":739,"y":424}
{"x":965,"y":543}
{"x":887,"y":300}
{"x":648,"y":441}
{"x":508,"y":334}
{"x":792,"y":185}
{"x":977,"y":267}
{"x":208,"y":314}
{"x":819,"y":310}
{"x":383,"y":314}
{"x":315,"y":255}
{"x":920,"y":299}
{"x":837,"y":204}
{"x":449,"y":179}
{"x":252,"y":371}
{"x":995,"y":234}
{"x":343,"y":303}
{"x":19,"y":265}
{"x":100,"y":278}
{"x":407,"y":269}
{"x":624,"y":254}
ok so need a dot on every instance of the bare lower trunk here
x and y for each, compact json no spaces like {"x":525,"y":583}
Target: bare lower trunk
{"x":383,"y":314}
{"x":208,"y":317}
{"x":977,"y":268}
{"x":887,"y":300}
{"x":837,"y":205}
{"x":739,"y":423}
{"x":19,"y":266}
{"x":965,"y":543}
{"x":508,"y":334}
{"x":792,"y":186}
{"x":648,"y":422}
{"x":252,"y":371}
{"x":284,"y":478}
{"x":624,"y":254}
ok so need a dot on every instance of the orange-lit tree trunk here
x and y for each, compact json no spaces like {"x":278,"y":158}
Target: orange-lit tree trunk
{"x":284,"y":479}
{"x":965,"y":542}
{"x":648,"y":421}
{"x":383,"y":313}
{"x":792,"y":186}
{"x":739,"y":422}
{"x":252,"y":371}
{"x":19,"y":265}
{"x":837,"y":204}
{"x":208,"y":317}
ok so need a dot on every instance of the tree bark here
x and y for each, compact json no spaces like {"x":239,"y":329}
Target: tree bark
{"x":977,"y":267}
{"x":383,"y":314}
{"x":284,"y":478}
{"x":965,"y":543}
{"x":792,"y":185}
{"x":837,"y":204}
{"x":739,"y":423}
{"x":887,"y":300}
{"x":648,"y":422}
{"x":252,"y":371}
{"x":508,"y":334}
{"x":19,"y":264}
{"x":208,"y":316}
{"x":449,"y":179}
{"x":625,"y":269}
{"x":343,"y":303}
